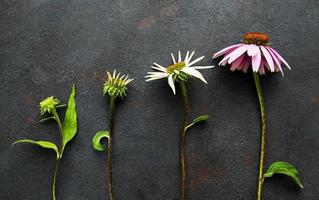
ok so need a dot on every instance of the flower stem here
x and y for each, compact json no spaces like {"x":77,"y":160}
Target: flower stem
{"x":61,"y":149}
{"x":183,"y":89}
{"x":263,"y":134}
{"x":109,"y":149}
{"x":54,"y":178}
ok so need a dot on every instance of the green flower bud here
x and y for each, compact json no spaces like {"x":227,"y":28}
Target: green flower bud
{"x":48,"y":104}
{"x":115,"y":85}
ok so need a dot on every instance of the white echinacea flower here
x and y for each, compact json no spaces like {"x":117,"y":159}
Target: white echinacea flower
{"x":179,"y":70}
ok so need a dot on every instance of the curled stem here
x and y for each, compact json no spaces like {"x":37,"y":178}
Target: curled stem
{"x":109,"y":149}
{"x":263,"y":134}
{"x":183,"y":89}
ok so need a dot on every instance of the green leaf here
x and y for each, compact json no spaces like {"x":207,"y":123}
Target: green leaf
{"x":61,"y":106}
{"x":96,"y":140}
{"x":46,"y":119}
{"x":44,"y":144}
{"x":286,"y":169}
{"x":69,"y":125}
{"x":198,"y":119}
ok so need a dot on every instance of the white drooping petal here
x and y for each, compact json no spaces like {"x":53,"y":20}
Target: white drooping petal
{"x":268,"y":58}
{"x":252,"y":50}
{"x":156,"y":73}
{"x":171,"y":83}
{"x":159,"y":69}
{"x":186,"y":57}
{"x":179,"y":56}
{"x":193,"y":72}
{"x":173,"y":58}
{"x":203,"y":67}
{"x":256,"y":60}
{"x":190,"y":57}
{"x":159,"y":66}
{"x":195,"y":61}
{"x":155,"y":77}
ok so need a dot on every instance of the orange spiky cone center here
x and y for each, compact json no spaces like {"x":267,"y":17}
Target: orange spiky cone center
{"x":256,"y":38}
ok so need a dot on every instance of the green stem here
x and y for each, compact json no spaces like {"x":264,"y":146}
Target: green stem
{"x":54,"y":178}
{"x":61,"y":149}
{"x":263,"y":134}
{"x":183,"y":89}
{"x":109,"y":149}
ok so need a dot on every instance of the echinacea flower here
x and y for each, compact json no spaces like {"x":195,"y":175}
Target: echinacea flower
{"x":48,"y":104}
{"x":67,"y":131}
{"x":179,"y":70}
{"x":115,"y":85}
{"x":254,"y":51}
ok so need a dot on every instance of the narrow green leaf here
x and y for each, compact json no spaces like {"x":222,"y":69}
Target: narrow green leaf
{"x":286,"y":169}
{"x":46,"y":119}
{"x":96,"y":140}
{"x":44,"y":144}
{"x":69,"y":125}
{"x":61,"y":106}
{"x":198,"y":119}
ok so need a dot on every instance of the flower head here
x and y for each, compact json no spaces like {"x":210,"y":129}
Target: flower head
{"x":254,"y":50}
{"x":115,"y":85}
{"x":180,"y":70}
{"x":48,"y":104}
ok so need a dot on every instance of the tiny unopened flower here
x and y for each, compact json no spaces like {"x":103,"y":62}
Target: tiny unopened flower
{"x":48,"y":104}
{"x":115,"y":85}
{"x":253,"y":51}
{"x":179,"y":70}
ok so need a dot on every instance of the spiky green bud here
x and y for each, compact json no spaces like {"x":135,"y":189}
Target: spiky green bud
{"x":115,"y":85}
{"x":48,"y":104}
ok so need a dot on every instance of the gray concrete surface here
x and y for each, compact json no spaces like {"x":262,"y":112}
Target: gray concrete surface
{"x":48,"y":45}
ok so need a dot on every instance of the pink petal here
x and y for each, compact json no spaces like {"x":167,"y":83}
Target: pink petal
{"x":266,"y":63}
{"x":236,"y":53}
{"x":274,"y":57}
{"x":268,"y":58}
{"x":252,"y":50}
{"x":245,"y":64}
{"x":261,"y":69}
{"x":225,"y":61}
{"x":279,"y":56}
{"x":237,"y":63}
{"x":223,"y":51}
{"x":256,"y":61}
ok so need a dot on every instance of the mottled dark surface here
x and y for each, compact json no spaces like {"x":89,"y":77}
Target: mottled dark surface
{"x":48,"y":45}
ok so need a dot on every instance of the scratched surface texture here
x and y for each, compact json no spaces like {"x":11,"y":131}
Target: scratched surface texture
{"x":48,"y":45}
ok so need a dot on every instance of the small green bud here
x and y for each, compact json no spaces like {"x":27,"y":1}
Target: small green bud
{"x":48,"y":104}
{"x":115,"y":85}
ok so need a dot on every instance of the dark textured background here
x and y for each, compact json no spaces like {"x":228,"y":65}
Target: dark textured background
{"x":47,"y":45}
